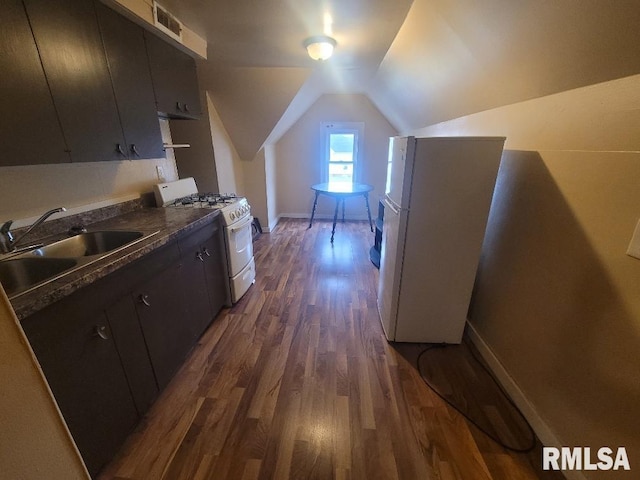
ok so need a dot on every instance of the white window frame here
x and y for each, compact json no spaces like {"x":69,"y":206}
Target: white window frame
{"x":327,"y":128}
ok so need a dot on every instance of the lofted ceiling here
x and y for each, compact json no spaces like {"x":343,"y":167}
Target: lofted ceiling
{"x":452,"y":58}
{"x":419,"y":61}
{"x":269,"y":33}
{"x":258,"y":74}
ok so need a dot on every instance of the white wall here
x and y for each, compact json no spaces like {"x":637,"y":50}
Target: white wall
{"x":271,"y":184}
{"x":228,"y":167}
{"x":255,"y":180}
{"x":34,"y":442}
{"x":556,"y":297}
{"x":298,"y":156}
{"x":28,"y":191}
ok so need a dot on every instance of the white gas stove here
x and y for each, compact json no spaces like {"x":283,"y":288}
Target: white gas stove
{"x":237,"y":225}
{"x":184,"y":194}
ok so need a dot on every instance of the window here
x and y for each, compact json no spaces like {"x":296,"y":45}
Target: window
{"x":341,"y":152}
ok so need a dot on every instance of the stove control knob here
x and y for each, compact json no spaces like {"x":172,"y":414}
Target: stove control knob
{"x":233,"y":216}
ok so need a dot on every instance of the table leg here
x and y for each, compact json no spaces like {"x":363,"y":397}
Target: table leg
{"x":366,"y":199}
{"x":343,"y":202}
{"x":313,"y":211}
{"x":335,"y":216}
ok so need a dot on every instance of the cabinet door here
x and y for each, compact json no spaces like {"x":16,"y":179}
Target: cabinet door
{"x":30,"y":132}
{"x":164,"y":322}
{"x":175,"y":80}
{"x":71,"y":50}
{"x":193,"y":258}
{"x":216,"y":271}
{"x":131,"y":77}
{"x":129,"y":340}
{"x":73,"y":343}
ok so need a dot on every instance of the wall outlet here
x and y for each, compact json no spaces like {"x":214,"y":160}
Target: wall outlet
{"x":160,"y":172}
{"x":634,"y":245}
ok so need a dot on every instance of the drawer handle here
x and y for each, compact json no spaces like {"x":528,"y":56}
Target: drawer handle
{"x":134,"y":150}
{"x":206,"y":251}
{"x":199,"y":256}
{"x":101,"y":331}
{"x":186,"y":108}
{"x":144,"y":299}
{"x":179,"y":106}
{"x":120,"y":150}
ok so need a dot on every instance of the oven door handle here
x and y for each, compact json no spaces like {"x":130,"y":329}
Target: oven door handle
{"x":244,"y":223}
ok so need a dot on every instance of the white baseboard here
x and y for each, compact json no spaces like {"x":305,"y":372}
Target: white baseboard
{"x":269,"y":228}
{"x":539,"y":425}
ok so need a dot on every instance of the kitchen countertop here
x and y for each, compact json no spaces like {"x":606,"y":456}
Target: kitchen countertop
{"x":169,"y":222}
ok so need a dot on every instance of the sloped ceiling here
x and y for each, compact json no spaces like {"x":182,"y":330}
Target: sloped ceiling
{"x":250,"y":100}
{"x":257,"y":71}
{"x":420,"y":62}
{"x":456,"y":57}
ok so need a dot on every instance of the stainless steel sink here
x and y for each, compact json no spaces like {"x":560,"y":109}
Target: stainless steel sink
{"x":25,"y":271}
{"x":89,"y":244}
{"x":20,"y":274}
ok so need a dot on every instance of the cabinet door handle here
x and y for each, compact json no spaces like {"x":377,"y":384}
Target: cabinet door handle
{"x":199,"y":256}
{"x":101,"y":331}
{"x":144,"y":299}
{"x":134,"y":150}
{"x":179,"y":106}
{"x":186,"y":108}
{"x":205,"y":250}
{"x":120,"y":150}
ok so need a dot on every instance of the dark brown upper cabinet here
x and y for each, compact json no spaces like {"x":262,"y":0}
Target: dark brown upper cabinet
{"x":131,"y":78}
{"x":175,"y":80}
{"x":29,"y":129}
{"x":72,"y":54}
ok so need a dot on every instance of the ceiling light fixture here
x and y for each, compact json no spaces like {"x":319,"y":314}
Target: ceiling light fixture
{"x":320,"y":47}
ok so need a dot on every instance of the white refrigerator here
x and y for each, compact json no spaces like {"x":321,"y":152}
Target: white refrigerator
{"x":437,"y":201}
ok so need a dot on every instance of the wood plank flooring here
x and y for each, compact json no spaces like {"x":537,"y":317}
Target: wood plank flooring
{"x":297,"y":381}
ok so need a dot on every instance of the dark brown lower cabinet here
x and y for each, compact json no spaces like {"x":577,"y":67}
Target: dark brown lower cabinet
{"x":215,"y":271}
{"x":167,"y":329}
{"x":203,"y":274}
{"x":130,"y":342}
{"x":109,"y":348}
{"x":75,"y":347}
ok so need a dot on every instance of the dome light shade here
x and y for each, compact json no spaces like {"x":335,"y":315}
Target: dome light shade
{"x":320,"y":47}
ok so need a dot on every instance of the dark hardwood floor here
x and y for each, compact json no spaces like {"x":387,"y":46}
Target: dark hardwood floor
{"x":298,"y":381}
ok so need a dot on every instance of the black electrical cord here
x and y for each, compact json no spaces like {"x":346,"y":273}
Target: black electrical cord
{"x":466,"y":415}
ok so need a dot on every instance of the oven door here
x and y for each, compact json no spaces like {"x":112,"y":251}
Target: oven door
{"x":239,"y":240}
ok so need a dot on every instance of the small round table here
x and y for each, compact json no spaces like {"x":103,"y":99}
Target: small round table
{"x":340,"y":191}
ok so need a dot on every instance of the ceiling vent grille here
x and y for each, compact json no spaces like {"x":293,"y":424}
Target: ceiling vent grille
{"x":166,"y":22}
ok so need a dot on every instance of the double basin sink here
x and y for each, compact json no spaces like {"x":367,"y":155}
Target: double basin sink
{"x":22,"y":272}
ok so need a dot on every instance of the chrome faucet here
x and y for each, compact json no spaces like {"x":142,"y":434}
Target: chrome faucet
{"x":9,"y":244}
